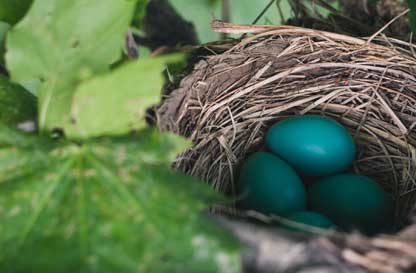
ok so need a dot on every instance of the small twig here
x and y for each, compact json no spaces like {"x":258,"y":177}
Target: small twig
{"x":226,"y":15}
{"x":279,"y":9}
{"x":222,"y":27}
{"x":387,"y":25}
{"x":263,"y":12}
{"x":358,"y":259}
{"x":132,"y":50}
{"x":260,"y":15}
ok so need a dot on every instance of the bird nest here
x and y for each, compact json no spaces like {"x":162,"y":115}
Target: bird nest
{"x":229,"y":100}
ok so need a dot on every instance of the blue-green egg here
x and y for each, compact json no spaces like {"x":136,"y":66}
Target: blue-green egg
{"x":309,"y":218}
{"x":269,"y":185}
{"x":353,"y":202}
{"x":313,"y":145}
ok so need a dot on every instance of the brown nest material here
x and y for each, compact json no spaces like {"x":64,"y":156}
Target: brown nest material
{"x":354,"y":17}
{"x":229,"y":100}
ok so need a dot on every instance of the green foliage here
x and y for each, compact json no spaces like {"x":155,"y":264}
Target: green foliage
{"x":115,"y":103}
{"x":11,"y":11}
{"x":109,"y":205}
{"x":139,"y":12}
{"x":412,"y":14}
{"x":16,"y":104}
{"x":4,"y":27}
{"x":66,"y":42}
{"x":88,"y":203}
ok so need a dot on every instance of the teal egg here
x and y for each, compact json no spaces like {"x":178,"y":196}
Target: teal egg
{"x":269,"y":185}
{"x":353,"y":202}
{"x":309,"y":218}
{"x":313,"y":145}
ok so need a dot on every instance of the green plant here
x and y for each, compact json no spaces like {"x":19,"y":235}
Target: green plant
{"x":17,"y":104}
{"x":102,"y":198}
{"x":12,"y":11}
{"x":412,"y":13}
{"x":4,"y":27}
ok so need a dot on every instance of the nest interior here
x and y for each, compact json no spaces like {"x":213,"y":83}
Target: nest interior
{"x":229,"y":100}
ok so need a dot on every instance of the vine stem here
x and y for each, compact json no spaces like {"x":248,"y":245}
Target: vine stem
{"x":260,"y":15}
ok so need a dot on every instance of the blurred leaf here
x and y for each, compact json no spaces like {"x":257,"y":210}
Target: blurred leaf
{"x":61,"y":43}
{"x":116,"y":103}
{"x":139,"y":12}
{"x":16,"y":104}
{"x":4,"y":27}
{"x":200,"y":13}
{"x":11,"y":11}
{"x":106,"y":206}
{"x":412,"y":14}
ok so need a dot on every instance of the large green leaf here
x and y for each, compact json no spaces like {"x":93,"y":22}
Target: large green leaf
{"x":63,"y":42}
{"x":16,"y":104}
{"x":115,"y":103}
{"x":11,"y":11}
{"x":110,"y":205}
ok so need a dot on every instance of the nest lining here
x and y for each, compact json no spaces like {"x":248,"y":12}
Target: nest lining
{"x":227,"y":103}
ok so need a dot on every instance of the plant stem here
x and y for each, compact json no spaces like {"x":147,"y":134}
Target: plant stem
{"x":226,"y":14}
{"x":263,"y":12}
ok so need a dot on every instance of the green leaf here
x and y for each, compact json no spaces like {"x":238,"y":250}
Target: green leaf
{"x":63,"y":42}
{"x":16,"y":104}
{"x":11,"y":11}
{"x":4,"y":27}
{"x":116,"y":103}
{"x":139,"y":12}
{"x":412,"y":15}
{"x":108,"y":206}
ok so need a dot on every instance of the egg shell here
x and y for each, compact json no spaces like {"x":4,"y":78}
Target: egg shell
{"x":353,"y":202}
{"x":309,"y":218}
{"x":269,"y":185}
{"x":313,"y":145}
